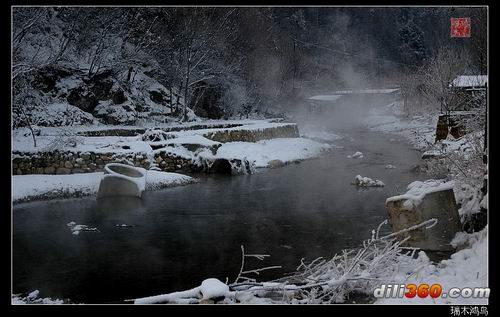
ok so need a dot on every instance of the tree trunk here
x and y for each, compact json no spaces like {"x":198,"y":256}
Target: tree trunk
{"x":129,"y":73}
{"x":186,"y":84}
{"x":28,"y":121}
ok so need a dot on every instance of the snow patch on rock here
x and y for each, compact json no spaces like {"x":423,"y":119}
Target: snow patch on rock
{"x":367,"y":182}
{"x":418,"y":190}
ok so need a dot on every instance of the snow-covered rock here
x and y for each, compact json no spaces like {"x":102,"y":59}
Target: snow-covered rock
{"x":33,"y":298}
{"x":261,"y":152}
{"x":356,"y":155}
{"x":75,"y":228}
{"x":418,"y":190}
{"x":213,"y":288}
{"x":367,"y":182}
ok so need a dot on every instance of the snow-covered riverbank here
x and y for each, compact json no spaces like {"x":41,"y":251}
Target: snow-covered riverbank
{"x":32,"y":187}
{"x":468,"y":267}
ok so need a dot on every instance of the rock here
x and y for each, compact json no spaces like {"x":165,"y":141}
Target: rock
{"x":119,"y":97}
{"x":78,"y":170}
{"x":79,"y":161}
{"x":275,"y":163}
{"x":47,"y":77}
{"x":206,"y":301}
{"x":68,"y":164}
{"x":86,"y":156}
{"x":63,"y":171}
{"x":441,"y":128}
{"x":213,"y":289}
{"x":156,"y":96}
{"x":82,"y":98}
{"x":440,"y":205}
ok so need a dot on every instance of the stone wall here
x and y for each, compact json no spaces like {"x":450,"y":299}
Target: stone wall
{"x":68,"y":162}
{"x":169,"y":162}
{"x":57,"y":162}
{"x":286,"y":131}
{"x":62,"y":163}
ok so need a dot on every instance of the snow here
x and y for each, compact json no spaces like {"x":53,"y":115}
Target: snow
{"x":470,"y":81}
{"x":184,"y":297}
{"x":26,"y":187}
{"x":157,"y":179}
{"x":390,"y":166}
{"x":261,"y":152}
{"x":356,"y":155}
{"x":188,"y":139}
{"x":367,"y":182}
{"x":419,"y":129}
{"x":325,"y":97}
{"x":32,"y":298}
{"x":366,"y":91}
{"x":75,"y":228}
{"x":466,"y":268}
{"x":212,"y":288}
{"x":22,"y":140}
{"x":29,"y":187}
{"x":417,"y":191}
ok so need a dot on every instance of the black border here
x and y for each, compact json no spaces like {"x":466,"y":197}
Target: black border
{"x":435,"y":310}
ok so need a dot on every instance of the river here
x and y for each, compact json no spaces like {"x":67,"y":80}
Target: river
{"x":177,"y":237}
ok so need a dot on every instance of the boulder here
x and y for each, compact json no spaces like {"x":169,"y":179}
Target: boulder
{"x":83,"y":99}
{"x":49,"y":170}
{"x":275,"y":163}
{"x":440,"y":205}
{"x":119,"y":97}
{"x":63,"y":171}
{"x":156,"y":96}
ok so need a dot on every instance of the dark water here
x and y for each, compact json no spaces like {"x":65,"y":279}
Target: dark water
{"x":182,"y":235}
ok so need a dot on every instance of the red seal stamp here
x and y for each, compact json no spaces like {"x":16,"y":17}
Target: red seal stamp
{"x":460,"y":27}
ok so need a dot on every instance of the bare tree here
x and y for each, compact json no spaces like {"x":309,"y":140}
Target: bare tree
{"x":438,"y":75}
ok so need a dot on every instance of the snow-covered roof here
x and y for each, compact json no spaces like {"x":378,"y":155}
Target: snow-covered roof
{"x":339,"y":93}
{"x":470,"y":81}
{"x":366,"y":91}
{"x":325,"y":97}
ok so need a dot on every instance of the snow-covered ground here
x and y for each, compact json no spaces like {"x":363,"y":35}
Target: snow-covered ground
{"x":468,"y":267}
{"x":29,"y":187}
{"x":22,"y":139}
{"x":419,"y":129}
{"x":33,"y":298}
{"x":262,"y":152}
{"x":465,"y":268}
